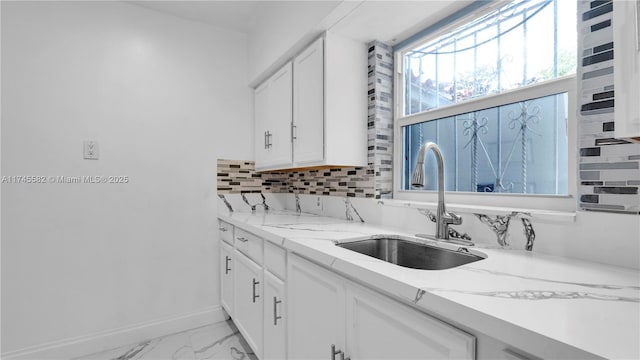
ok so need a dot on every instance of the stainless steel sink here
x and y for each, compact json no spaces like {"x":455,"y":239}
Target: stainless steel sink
{"x":412,"y":254}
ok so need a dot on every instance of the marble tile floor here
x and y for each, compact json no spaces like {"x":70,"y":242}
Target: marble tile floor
{"x":220,"y":341}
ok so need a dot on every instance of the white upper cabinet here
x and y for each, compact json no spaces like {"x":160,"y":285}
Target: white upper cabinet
{"x":626,"y":39}
{"x":308,"y":105}
{"x":273,"y":116}
{"x":261,"y":123}
{"x":345,"y":101}
{"x":327,"y":99}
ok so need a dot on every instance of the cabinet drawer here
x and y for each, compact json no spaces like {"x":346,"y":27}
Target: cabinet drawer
{"x":226,"y":231}
{"x":249,"y":244}
{"x":274,"y":259}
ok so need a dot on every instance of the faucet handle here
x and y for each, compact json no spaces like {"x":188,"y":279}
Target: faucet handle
{"x":453,"y":219}
{"x":457,"y":219}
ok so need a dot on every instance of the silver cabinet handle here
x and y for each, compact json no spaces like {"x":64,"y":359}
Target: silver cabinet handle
{"x":255,"y":296}
{"x":293,"y":132}
{"x":335,"y":352}
{"x":275,"y":311}
{"x":223,"y":229}
{"x":226,"y":265}
{"x":243,"y":239}
{"x":267,"y":139}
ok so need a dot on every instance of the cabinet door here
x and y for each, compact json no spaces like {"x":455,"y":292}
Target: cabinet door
{"x":308,"y":105}
{"x":261,"y":110}
{"x":248,"y":300}
{"x":281,"y":116}
{"x":274,"y":320}
{"x":226,"y":277}
{"x":380,"y":328}
{"x":273,"y":114}
{"x":315,"y":310}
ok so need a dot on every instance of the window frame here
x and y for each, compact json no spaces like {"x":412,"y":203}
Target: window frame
{"x":480,"y":200}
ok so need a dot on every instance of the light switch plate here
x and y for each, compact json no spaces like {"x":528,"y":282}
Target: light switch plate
{"x":91,"y":151}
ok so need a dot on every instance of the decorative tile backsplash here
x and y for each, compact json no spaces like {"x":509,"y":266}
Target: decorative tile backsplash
{"x":240,"y":177}
{"x":351,"y":182}
{"x":380,"y":117}
{"x":609,"y":169}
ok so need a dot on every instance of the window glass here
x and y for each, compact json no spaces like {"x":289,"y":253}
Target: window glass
{"x":513,"y":148}
{"x":522,"y":43}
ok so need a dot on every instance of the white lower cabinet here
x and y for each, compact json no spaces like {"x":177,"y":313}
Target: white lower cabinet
{"x":226,"y":277}
{"x":381,"y":328}
{"x":288,"y":307}
{"x":252,"y":289}
{"x":275,"y":334}
{"x":315,"y":310}
{"x":327,"y":310}
{"x":248,"y":298}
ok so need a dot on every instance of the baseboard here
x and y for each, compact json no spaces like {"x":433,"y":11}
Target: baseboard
{"x":106,"y":340}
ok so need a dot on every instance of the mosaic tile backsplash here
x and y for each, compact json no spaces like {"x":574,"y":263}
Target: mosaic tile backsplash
{"x":609,"y":169}
{"x":380,"y":116}
{"x":240,"y":177}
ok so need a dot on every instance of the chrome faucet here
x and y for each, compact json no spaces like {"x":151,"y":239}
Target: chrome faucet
{"x":443,"y":218}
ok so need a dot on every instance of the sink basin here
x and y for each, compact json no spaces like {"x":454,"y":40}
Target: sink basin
{"x":412,"y":254}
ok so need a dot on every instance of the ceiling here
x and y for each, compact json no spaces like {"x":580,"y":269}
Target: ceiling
{"x":389,"y":21}
{"x":234,"y":15}
{"x":392,"y":21}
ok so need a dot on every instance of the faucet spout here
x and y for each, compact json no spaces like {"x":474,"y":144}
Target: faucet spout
{"x":443,"y":218}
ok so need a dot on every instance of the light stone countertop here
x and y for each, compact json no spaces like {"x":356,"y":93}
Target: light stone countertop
{"x":535,"y":302}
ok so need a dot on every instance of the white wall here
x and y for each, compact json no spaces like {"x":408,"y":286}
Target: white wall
{"x":282,"y":27}
{"x":607,"y":238}
{"x":164,"y":98}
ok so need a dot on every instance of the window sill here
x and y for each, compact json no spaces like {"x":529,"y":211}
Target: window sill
{"x":539,"y":214}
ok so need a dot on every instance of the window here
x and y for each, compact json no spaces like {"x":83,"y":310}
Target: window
{"x":495,"y":94}
{"x":500,"y":149}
